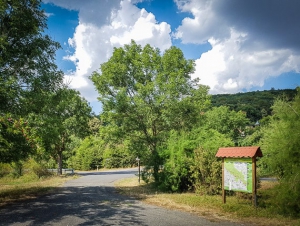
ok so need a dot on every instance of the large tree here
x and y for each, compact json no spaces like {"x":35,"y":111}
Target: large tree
{"x":26,"y":55}
{"x":145,"y":94}
{"x":27,"y":71}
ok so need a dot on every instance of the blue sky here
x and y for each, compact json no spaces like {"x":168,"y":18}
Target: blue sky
{"x":238,"y":46}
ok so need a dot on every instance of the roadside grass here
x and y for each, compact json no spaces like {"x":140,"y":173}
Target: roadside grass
{"x":28,"y":186}
{"x":238,"y":207}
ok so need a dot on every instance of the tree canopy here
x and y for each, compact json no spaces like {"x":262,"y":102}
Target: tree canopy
{"x":145,"y":94}
{"x":26,"y":55}
{"x":65,"y":115}
{"x":28,"y":72}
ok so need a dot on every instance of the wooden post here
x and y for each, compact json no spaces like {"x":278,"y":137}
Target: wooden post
{"x":138,"y":160}
{"x":223,"y":182}
{"x":254,"y":198}
{"x":139,"y":172}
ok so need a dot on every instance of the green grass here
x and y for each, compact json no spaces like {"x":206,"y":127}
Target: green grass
{"x":237,"y":208}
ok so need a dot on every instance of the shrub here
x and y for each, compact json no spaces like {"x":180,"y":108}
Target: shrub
{"x":175,"y":175}
{"x":5,"y":169}
{"x":206,"y":172}
{"x":287,"y":197}
{"x":190,"y":162}
{"x":38,"y":168}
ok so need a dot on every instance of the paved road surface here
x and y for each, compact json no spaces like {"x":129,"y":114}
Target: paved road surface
{"x":92,"y":200}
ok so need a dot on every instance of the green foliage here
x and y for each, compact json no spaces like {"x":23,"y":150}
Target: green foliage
{"x":117,"y":156}
{"x":281,"y":138}
{"x":175,"y":175}
{"x":17,"y":139}
{"x":286,"y":197}
{"x":88,"y":155}
{"x":190,"y":161}
{"x":94,"y":125}
{"x":226,"y":121}
{"x":280,"y":146}
{"x":256,"y":105}
{"x":206,"y":168}
{"x":27,"y":57}
{"x":39,"y":169}
{"x":94,"y":152}
{"x":66,"y":115}
{"x":17,"y":169}
{"x":28,"y":73}
{"x":145,"y":95}
{"x":4,"y":169}
{"x":252,"y":137}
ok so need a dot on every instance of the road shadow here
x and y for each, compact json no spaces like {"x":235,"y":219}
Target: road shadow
{"x":75,"y":206}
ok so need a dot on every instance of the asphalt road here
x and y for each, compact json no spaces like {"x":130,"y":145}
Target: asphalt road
{"x":92,"y":200}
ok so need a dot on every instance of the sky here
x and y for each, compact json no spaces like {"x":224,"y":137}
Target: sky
{"x":238,"y":46}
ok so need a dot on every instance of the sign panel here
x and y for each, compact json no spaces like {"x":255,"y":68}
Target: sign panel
{"x":238,"y":174}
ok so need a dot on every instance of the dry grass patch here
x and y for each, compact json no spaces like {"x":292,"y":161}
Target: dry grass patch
{"x":237,"y":208}
{"x":28,"y":187}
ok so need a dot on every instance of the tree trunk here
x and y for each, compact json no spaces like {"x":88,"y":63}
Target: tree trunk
{"x":156,"y":162}
{"x":59,"y":163}
{"x":60,"y":149}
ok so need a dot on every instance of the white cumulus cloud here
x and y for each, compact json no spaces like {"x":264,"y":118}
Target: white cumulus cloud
{"x":250,"y":43}
{"x":95,"y":36}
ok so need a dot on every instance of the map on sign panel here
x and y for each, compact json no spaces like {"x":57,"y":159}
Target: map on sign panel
{"x":238,"y":175}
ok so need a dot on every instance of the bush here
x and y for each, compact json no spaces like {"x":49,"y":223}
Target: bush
{"x":280,"y":146}
{"x":17,"y":169}
{"x":287,"y":197}
{"x":206,"y":172}
{"x":5,"y":169}
{"x":38,"y":168}
{"x":175,"y":175}
{"x":117,"y":157}
{"x":41,"y":171}
{"x":190,"y":162}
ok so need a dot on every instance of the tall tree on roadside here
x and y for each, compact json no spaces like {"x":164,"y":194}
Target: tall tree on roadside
{"x":27,"y":55}
{"x":146,"y":94}
{"x":66,"y":115}
{"x":27,"y":72}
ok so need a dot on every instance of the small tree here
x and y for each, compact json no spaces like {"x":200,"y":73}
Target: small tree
{"x":67,"y":114}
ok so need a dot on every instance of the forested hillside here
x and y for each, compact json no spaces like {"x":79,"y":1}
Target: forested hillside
{"x":256,"y":104}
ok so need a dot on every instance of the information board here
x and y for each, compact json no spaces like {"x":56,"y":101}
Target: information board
{"x":238,"y":174}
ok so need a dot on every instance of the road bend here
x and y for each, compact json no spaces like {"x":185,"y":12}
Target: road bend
{"x":92,"y":200}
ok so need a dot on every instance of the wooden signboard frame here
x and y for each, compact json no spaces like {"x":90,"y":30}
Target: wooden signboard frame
{"x":240,"y":152}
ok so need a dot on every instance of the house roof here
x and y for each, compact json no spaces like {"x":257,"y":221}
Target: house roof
{"x":239,"y":152}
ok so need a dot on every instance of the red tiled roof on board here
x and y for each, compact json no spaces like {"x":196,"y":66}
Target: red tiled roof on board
{"x":239,"y":152}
